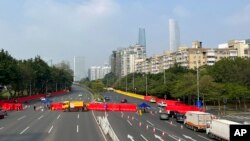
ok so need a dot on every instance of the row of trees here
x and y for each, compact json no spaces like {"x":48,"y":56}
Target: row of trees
{"x":228,"y":79}
{"x":32,"y":76}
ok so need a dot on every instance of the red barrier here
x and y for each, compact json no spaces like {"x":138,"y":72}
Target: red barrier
{"x":182,"y":108}
{"x":12,"y":106}
{"x":56,"y":106}
{"x":17,"y":107}
{"x":128,"y":107}
{"x":29,"y":98}
{"x":112,"y":107}
{"x":96,"y":106}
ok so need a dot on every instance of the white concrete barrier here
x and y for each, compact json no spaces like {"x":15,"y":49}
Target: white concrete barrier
{"x":106,"y":127}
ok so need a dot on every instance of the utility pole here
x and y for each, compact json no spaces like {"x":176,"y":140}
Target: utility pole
{"x":197,"y":76}
{"x":30,"y":87}
{"x":126,"y":83}
{"x":164,"y":76}
{"x":146,"y":85}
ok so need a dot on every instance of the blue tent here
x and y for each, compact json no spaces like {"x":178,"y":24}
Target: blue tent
{"x":46,"y":101}
{"x":144,"y":105}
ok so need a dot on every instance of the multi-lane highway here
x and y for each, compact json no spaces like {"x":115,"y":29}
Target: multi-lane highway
{"x":148,"y":127}
{"x":46,"y":125}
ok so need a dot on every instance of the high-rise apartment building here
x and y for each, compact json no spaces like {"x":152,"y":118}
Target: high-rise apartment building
{"x":124,"y":60}
{"x":79,"y":68}
{"x":174,"y":35}
{"x":98,"y":72}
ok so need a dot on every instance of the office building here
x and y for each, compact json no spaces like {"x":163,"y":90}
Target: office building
{"x":142,"y":37}
{"x":174,"y":35}
{"x":79,"y":68}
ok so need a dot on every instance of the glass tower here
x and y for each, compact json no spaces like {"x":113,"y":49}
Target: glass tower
{"x":174,"y":35}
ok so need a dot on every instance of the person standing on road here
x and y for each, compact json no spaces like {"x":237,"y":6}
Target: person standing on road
{"x":34,"y":107}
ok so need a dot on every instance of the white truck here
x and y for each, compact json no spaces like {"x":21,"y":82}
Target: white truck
{"x":220,"y":129}
{"x":196,"y":120}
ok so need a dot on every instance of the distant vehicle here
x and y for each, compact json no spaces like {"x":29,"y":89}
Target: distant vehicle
{"x":42,"y":98}
{"x":124,"y":100}
{"x":164,"y":116}
{"x":162,"y":104}
{"x":152,"y":100}
{"x":74,"y":106}
{"x":179,"y":117}
{"x":196,"y":120}
{"x":3,"y":113}
{"x":99,"y":100}
{"x":220,"y":129}
{"x":107,"y":98}
{"x":172,"y":114}
{"x":80,"y":95}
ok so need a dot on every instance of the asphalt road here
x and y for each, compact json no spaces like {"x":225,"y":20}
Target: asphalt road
{"x":46,"y":125}
{"x":148,"y":127}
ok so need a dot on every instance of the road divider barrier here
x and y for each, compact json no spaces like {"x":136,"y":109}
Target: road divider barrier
{"x":12,"y":106}
{"x":112,"y":107}
{"x":106,"y":128}
{"x":56,"y":106}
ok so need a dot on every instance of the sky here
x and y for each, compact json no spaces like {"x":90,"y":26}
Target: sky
{"x":58,"y":30}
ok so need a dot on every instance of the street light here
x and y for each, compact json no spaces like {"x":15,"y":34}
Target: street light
{"x":146,"y":85}
{"x":197,"y":76}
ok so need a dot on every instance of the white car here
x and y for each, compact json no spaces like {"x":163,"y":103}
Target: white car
{"x":42,"y":99}
{"x":162,"y":104}
{"x":152,"y":100}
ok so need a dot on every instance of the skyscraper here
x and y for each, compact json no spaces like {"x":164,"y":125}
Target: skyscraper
{"x":79,"y":68}
{"x":174,"y":35}
{"x":142,"y":37}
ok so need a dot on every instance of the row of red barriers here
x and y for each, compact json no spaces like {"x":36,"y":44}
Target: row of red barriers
{"x":102,"y":107}
{"x":175,"y":105}
{"x":30,"y":98}
{"x":12,"y":106}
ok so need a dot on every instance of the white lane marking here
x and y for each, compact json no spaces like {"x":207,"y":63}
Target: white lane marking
{"x":173,"y":137}
{"x":129,"y":122}
{"x":158,"y":137}
{"x":24,"y":130}
{"x":77,"y":128}
{"x":204,"y":138}
{"x":78,"y":116}
{"x":50,"y":129}
{"x":21,"y":117}
{"x":40,"y":117}
{"x":130,"y":137}
{"x":188,"y":137}
{"x":150,"y":123}
{"x":144,"y":137}
{"x":58,"y":116}
{"x":1,"y":128}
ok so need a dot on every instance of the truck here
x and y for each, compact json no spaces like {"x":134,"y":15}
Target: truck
{"x":197,"y":121}
{"x":74,"y":106}
{"x":220,"y":129}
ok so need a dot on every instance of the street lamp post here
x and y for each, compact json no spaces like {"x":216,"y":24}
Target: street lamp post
{"x":30,"y":88}
{"x":146,"y":86}
{"x":197,"y":76}
{"x":126,"y":83}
